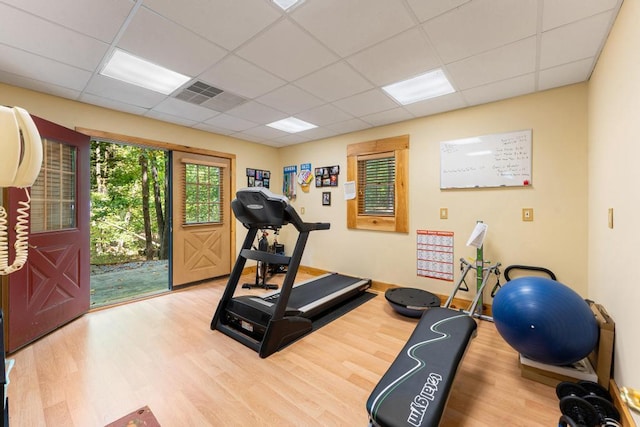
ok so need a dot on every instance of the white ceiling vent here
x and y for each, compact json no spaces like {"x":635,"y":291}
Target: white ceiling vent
{"x":211,"y":97}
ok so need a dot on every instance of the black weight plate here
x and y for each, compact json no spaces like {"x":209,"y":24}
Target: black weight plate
{"x":596,"y":389}
{"x":604,"y":408}
{"x":579,"y":410}
{"x":566,"y":388}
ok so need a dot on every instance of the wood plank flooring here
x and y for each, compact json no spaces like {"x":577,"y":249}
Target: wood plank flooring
{"x":160,"y":352}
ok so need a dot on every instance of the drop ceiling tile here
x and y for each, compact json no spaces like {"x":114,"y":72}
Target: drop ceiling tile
{"x":500,"y":90}
{"x":324,"y":115}
{"x":437,"y":105}
{"x":231,"y":123}
{"x":319,"y":133}
{"x":170,"y":118}
{"x":176,"y":107}
{"x":213,"y":129}
{"x":336,"y":81}
{"x":241,"y":77}
{"x":390,"y":116}
{"x":566,"y":74}
{"x":286,"y":51}
{"x":349,"y":26}
{"x":290,"y":99}
{"x":265,"y":132}
{"x":257,"y":113}
{"x":582,"y":39}
{"x":295,"y":138}
{"x":426,"y":10}
{"x":386,"y":40}
{"x":27,"y":65}
{"x":406,"y":55}
{"x":123,"y":92}
{"x":557,"y":13}
{"x":226,"y":23}
{"x":50,"y":40}
{"x":480,"y":26}
{"x":154,"y":38}
{"x":112,"y":104}
{"x":347,"y":126}
{"x":251,"y":138}
{"x":498,"y":64}
{"x":369,"y":102}
{"x":102,"y":20}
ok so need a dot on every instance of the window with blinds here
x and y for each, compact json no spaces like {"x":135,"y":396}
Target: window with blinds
{"x":376,"y":184}
{"x":53,"y":195}
{"x":203,"y":194}
{"x":380,"y":171}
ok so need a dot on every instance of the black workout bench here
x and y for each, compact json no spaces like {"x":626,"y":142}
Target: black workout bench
{"x":415,"y":388}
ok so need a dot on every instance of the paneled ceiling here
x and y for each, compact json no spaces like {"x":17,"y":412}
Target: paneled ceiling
{"x":322,"y":61}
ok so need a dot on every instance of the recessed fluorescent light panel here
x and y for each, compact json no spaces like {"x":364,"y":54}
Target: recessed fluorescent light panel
{"x":425,"y":86}
{"x":285,"y":4}
{"x":130,"y":69}
{"x":292,"y":125}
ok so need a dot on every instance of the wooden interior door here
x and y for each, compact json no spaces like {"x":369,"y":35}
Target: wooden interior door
{"x":53,"y":286}
{"x":201,"y":217}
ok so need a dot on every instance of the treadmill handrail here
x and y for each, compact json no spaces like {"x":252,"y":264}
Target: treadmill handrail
{"x":265,"y":256}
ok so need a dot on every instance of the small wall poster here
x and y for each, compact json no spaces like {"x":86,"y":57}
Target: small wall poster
{"x":435,"y":254}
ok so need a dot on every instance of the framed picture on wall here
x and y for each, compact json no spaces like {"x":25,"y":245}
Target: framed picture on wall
{"x":327,"y":176}
{"x":258,"y":177}
{"x":326,"y":198}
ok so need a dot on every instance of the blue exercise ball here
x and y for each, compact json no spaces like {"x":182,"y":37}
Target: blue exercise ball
{"x":545,"y":320}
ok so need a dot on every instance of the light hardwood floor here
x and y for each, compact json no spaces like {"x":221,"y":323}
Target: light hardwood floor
{"x":160,"y":352}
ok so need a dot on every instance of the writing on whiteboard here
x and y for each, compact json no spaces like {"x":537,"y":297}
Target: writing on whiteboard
{"x":486,"y":161}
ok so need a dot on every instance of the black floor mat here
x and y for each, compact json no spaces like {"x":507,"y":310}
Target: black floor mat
{"x":335,"y":312}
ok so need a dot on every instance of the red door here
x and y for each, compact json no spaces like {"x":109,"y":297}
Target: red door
{"x":53,"y":286}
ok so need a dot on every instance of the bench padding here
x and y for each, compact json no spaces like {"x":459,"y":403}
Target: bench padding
{"x":415,"y":388}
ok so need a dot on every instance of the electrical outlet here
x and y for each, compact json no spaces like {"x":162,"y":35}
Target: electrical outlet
{"x":444,"y":213}
{"x":527,"y":214}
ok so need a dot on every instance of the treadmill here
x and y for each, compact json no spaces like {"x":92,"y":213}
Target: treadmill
{"x":268,"y":322}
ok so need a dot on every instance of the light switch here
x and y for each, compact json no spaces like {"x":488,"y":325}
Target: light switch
{"x":527,"y":214}
{"x":444,"y":213}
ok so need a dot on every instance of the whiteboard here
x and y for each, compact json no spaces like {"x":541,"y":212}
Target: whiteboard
{"x":497,"y":160}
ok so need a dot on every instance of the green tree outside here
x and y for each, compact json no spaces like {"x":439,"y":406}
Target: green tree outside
{"x":128,"y":203}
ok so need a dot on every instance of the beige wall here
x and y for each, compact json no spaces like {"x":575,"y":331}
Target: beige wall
{"x":556,"y":239}
{"x":614,"y":174}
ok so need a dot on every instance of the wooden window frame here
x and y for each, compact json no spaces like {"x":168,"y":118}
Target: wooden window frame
{"x":399,"y":222}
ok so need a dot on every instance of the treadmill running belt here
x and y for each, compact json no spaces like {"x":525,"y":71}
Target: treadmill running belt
{"x":310,"y":292}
